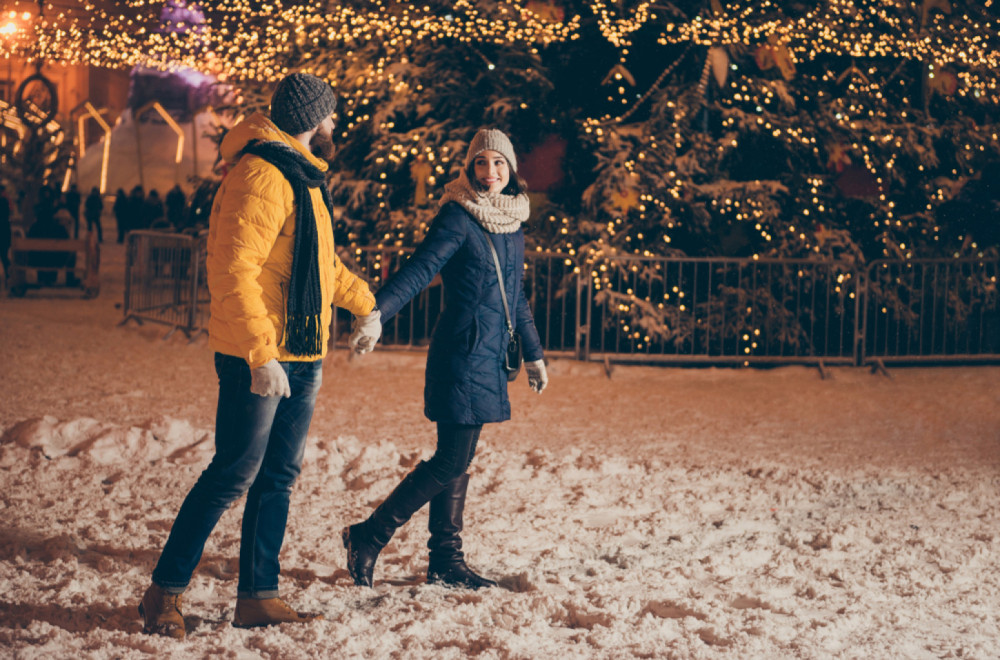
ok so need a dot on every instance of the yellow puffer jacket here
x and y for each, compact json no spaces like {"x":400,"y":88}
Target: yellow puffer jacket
{"x":251,"y":241}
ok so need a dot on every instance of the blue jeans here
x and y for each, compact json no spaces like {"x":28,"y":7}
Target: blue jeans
{"x":259,"y":445}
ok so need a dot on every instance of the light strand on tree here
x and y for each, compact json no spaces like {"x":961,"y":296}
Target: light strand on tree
{"x":844,"y":28}
{"x":656,"y":84}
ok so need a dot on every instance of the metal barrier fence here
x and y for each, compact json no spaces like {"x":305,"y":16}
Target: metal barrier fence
{"x":663,"y":310}
{"x":165,"y":281}
{"x":412,"y":326}
{"x":721,"y":310}
{"x":931,"y":310}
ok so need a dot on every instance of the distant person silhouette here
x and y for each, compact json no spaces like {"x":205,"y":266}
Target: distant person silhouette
{"x":50,"y":226}
{"x":93,"y":207}
{"x":71,"y":198}
{"x":5,"y":231}
{"x":153,"y":211}
{"x":135,"y":210}
{"x":175,"y":203}
{"x":120,"y":210}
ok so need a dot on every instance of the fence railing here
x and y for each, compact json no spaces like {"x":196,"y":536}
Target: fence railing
{"x":936,"y":310}
{"x":663,"y":310}
{"x":412,"y":326}
{"x":721,"y":310}
{"x":551,"y":284}
{"x":165,"y":281}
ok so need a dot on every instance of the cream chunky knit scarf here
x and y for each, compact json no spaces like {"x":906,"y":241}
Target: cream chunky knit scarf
{"x":497,"y":213}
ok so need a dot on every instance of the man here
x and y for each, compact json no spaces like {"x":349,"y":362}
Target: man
{"x":273,"y":277}
{"x":135,"y":207}
{"x":175,"y":203}
{"x":72,"y":199}
{"x":93,"y":207}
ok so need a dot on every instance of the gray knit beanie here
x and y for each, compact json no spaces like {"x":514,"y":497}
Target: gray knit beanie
{"x":301,"y":102}
{"x":493,"y":140}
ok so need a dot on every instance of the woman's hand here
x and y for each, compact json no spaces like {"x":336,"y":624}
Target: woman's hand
{"x":365,"y":332}
{"x":537,"y":378}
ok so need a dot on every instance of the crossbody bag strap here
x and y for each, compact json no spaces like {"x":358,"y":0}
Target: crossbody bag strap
{"x":503,"y":292}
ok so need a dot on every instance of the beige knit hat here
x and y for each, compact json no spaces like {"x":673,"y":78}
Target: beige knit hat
{"x":491,"y":139}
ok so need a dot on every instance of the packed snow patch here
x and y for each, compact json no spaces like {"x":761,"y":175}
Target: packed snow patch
{"x":598,"y":555}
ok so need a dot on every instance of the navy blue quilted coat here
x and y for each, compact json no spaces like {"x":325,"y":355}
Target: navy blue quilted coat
{"x":465,"y":381}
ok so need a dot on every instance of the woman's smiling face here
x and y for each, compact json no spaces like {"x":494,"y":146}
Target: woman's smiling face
{"x":492,"y":170}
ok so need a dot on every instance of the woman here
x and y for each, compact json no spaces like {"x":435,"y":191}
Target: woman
{"x":466,"y":385}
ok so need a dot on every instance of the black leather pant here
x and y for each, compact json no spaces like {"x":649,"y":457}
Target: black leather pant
{"x":456,"y":445}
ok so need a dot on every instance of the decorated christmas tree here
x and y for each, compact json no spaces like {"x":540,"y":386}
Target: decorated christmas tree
{"x":824,"y":131}
{"x":818,"y":118}
{"x":841,"y":132}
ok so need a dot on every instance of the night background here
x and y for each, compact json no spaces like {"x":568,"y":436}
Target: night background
{"x":836,"y":132}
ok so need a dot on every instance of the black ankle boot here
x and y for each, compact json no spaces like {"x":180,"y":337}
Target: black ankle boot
{"x":365,"y":540}
{"x":447,"y":563}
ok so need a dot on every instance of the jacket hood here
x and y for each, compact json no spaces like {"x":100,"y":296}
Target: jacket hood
{"x":259,"y":127}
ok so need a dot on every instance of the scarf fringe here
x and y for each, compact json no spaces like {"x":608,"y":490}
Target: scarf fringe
{"x":303,"y":335}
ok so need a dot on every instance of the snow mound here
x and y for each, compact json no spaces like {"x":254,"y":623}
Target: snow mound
{"x":101,"y":443}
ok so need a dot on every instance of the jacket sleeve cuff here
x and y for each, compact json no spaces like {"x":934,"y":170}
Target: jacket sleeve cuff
{"x":358,"y":298}
{"x":258,"y":357}
{"x":532,"y":357}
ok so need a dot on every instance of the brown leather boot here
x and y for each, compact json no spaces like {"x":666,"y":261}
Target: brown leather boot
{"x":257,"y":612}
{"x":161,"y":613}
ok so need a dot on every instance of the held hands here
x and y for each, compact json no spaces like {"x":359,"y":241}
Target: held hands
{"x":270,"y":379}
{"x":365,"y":332}
{"x":537,"y":378}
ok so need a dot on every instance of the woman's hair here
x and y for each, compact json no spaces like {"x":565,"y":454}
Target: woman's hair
{"x":515,"y":186}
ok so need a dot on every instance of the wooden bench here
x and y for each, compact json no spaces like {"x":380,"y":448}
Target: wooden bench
{"x":54,"y":262}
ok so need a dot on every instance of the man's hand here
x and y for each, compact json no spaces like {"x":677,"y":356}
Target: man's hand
{"x":365,"y":332}
{"x":270,"y":379}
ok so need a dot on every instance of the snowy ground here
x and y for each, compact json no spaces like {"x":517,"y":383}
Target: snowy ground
{"x":658,"y":513}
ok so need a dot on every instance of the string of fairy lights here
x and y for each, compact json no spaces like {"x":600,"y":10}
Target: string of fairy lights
{"x":92,"y":34}
{"x":222,"y":45}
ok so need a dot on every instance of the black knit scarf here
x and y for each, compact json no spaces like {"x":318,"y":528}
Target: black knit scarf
{"x":303,"y":334}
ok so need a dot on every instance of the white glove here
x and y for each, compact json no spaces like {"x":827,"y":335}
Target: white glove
{"x":537,"y":378}
{"x":365,"y":331}
{"x":270,"y":379}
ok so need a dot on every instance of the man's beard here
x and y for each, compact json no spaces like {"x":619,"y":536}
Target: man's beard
{"x":321,"y":146}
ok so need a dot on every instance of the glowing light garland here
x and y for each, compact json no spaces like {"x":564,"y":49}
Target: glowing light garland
{"x":223,"y":45}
